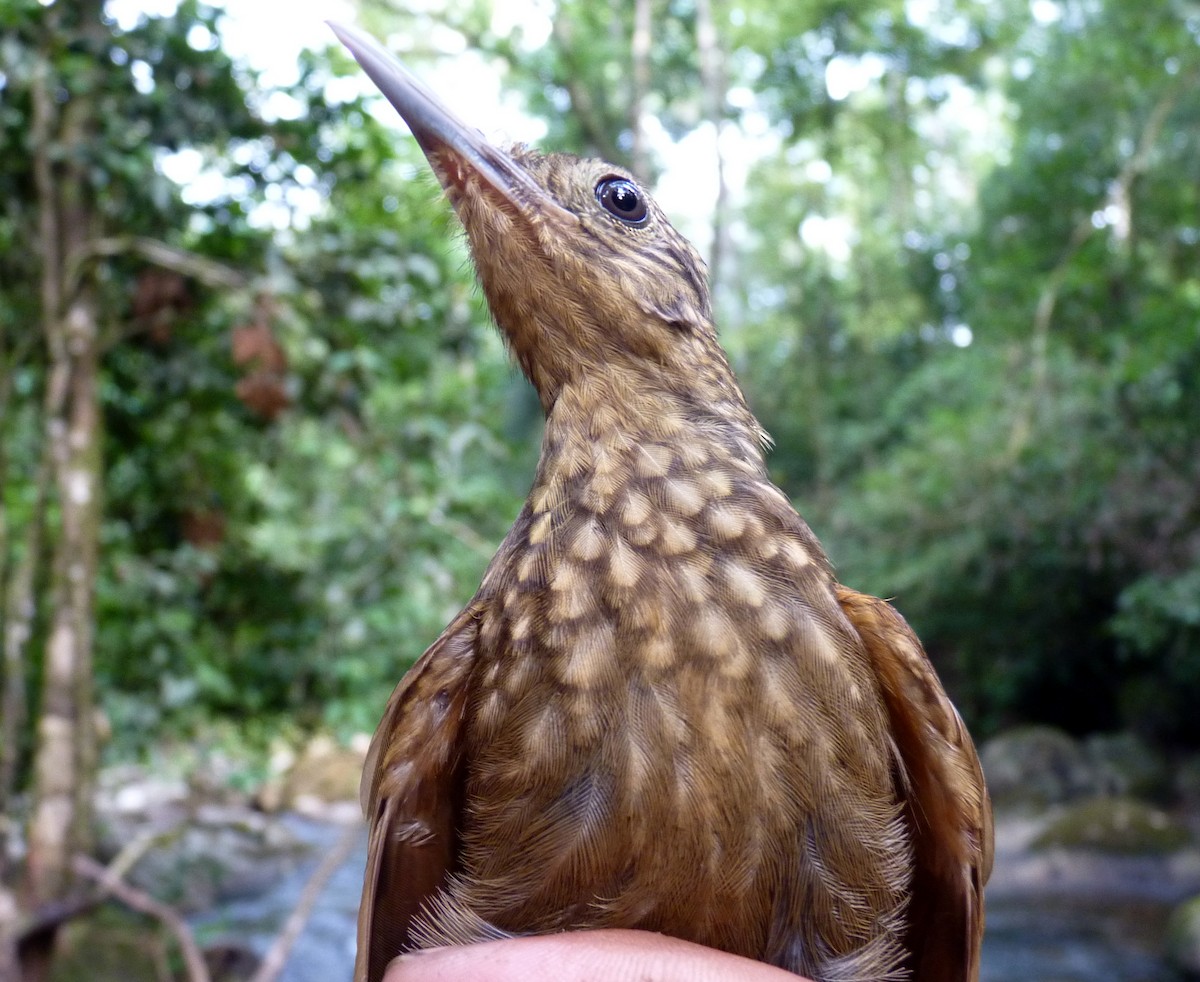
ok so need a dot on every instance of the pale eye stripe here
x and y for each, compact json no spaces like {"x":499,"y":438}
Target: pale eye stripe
{"x":668,"y":256}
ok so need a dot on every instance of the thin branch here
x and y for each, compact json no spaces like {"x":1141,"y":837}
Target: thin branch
{"x":1121,"y":192}
{"x":276,"y":957}
{"x":10,"y":919}
{"x":110,"y":880}
{"x":713,"y":83}
{"x":132,"y":852}
{"x":143,"y":903}
{"x":589,"y":116}
{"x":49,"y":239}
{"x":639,"y":87}
{"x":190,"y":264}
{"x":1043,"y":316}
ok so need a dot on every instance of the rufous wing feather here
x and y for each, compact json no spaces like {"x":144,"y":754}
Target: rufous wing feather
{"x":949,"y":811}
{"x":411,"y":793}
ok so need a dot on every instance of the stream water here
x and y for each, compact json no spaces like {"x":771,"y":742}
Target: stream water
{"x":1090,"y":935}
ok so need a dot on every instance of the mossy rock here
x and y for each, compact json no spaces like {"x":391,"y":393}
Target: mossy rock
{"x":1116,"y":825}
{"x":114,"y":944}
{"x":1036,"y":766}
{"x":109,"y":945}
{"x":1126,"y":765}
{"x":1183,"y":938}
{"x":211,"y":854}
{"x":324,"y":771}
{"x":1186,"y":781}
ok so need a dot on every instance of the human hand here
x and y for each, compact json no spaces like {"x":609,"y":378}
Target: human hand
{"x":582,"y":956}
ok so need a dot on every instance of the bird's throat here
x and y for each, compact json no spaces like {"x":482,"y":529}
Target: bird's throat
{"x":606,"y":435}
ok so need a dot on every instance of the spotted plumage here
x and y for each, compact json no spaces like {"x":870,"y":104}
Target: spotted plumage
{"x":660,"y":710}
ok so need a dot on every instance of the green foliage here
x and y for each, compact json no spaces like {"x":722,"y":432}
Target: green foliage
{"x":1029,"y":499}
{"x":281,"y":561}
{"x":964,"y":299}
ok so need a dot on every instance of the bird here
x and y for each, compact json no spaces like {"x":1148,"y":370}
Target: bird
{"x":660,"y":710}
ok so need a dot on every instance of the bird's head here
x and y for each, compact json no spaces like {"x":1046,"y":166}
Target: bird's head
{"x":581,"y":269}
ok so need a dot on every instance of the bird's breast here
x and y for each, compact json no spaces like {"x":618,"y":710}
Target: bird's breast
{"x":669,"y":725}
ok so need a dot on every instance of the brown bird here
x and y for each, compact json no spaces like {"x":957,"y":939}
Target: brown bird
{"x":660,"y":710}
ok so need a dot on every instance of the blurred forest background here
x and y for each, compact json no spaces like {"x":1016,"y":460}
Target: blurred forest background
{"x":258,"y":440}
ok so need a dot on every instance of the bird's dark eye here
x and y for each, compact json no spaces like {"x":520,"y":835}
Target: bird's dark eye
{"x":624,"y":199}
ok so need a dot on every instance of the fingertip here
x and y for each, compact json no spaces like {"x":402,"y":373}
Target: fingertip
{"x":584,"y":956}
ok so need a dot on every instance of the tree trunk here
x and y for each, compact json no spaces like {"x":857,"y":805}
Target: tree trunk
{"x":64,"y":754}
{"x":712,"y":80}
{"x":64,"y":759}
{"x":588,"y":113}
{"x":639,"y":153}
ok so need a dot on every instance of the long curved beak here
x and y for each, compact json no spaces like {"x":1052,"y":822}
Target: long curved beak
{"x":452,"y":147}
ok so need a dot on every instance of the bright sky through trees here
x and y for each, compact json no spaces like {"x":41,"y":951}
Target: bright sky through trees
{"x":270,"y":41}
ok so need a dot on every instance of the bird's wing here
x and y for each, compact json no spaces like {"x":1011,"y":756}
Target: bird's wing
{"x":945,"y":796}
{"x":410,"y":793}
